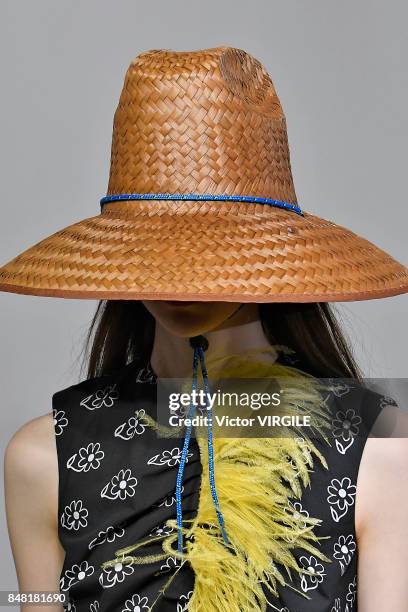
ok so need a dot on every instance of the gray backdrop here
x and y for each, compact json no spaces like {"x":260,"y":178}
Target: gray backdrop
{"x":340,"y":72}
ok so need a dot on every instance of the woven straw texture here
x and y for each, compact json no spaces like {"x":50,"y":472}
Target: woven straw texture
{"x":206,"y":121}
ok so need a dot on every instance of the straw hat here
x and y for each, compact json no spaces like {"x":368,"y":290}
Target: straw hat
{"x":201,"y":203}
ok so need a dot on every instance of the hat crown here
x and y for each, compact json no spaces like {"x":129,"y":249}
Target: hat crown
{"x":199,"y":138}
{"x":205,"y":121}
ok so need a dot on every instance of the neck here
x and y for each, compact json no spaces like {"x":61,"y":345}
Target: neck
{"x":172,"y":356}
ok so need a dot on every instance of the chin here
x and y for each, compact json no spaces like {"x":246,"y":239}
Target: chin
{"x":187,"y":319}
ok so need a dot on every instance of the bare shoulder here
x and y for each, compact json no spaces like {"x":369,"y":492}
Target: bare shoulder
{"x":30,"y":460}
{"x":31,"y":496}
{"x":381,"y":511}
{"x":383,"y":474}
{"x":31,"y":445}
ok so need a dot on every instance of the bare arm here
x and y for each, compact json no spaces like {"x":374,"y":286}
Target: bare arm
{"x":31,"y":492}
{"x":381,"y":524}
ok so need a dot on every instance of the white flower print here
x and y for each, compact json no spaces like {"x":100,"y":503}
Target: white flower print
{"x":136,"y":604}
{"x":345,"y":429}
{"x":60,"y":421}
{"x":112,"y":575}
{"x":163,"y":530}
{"x":182,"y":604}
{"x":76,"y":574}
{"x":386,"y":400}
{"x":341,"y":494}
{"x":338,"y":388}
{"x":135,"y":425}
{"x":120,"y":486}
{"x":74,"y":515}
{"x":101,"y":397}
{"x":351,"y":595}
{"x":90,"y":457}
{"x":69,"y":606}
{"x":168,"y":501}
{"x":94,"y":607}
{"x":343,"y":551}
{"x":170,"y":564}
{"x":336,"y":606}
{"x":108,"y":535}
{"x":295,"y":511}
{"x":316,"y":569}
{"x":168,"y":457}
{"x":346,"y":424}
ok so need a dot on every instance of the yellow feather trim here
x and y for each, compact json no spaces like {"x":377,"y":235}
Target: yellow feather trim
{"x":256,"y":481}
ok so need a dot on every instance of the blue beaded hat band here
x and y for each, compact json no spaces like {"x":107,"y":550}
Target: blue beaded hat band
{"x":200,"y":197}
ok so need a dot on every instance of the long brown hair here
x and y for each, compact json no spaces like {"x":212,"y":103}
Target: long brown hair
{"x":123,"y":330}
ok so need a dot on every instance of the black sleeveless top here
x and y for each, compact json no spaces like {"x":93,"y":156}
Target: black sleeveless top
{"x":117,"y":486}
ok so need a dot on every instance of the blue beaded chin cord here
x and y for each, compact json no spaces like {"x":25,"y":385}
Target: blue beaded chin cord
{"x":199,"y":344}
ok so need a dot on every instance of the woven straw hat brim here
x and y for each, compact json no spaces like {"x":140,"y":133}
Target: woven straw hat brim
{"x":204,"y":251}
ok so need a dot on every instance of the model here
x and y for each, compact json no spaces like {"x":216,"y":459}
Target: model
{"x":206,"y":266}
